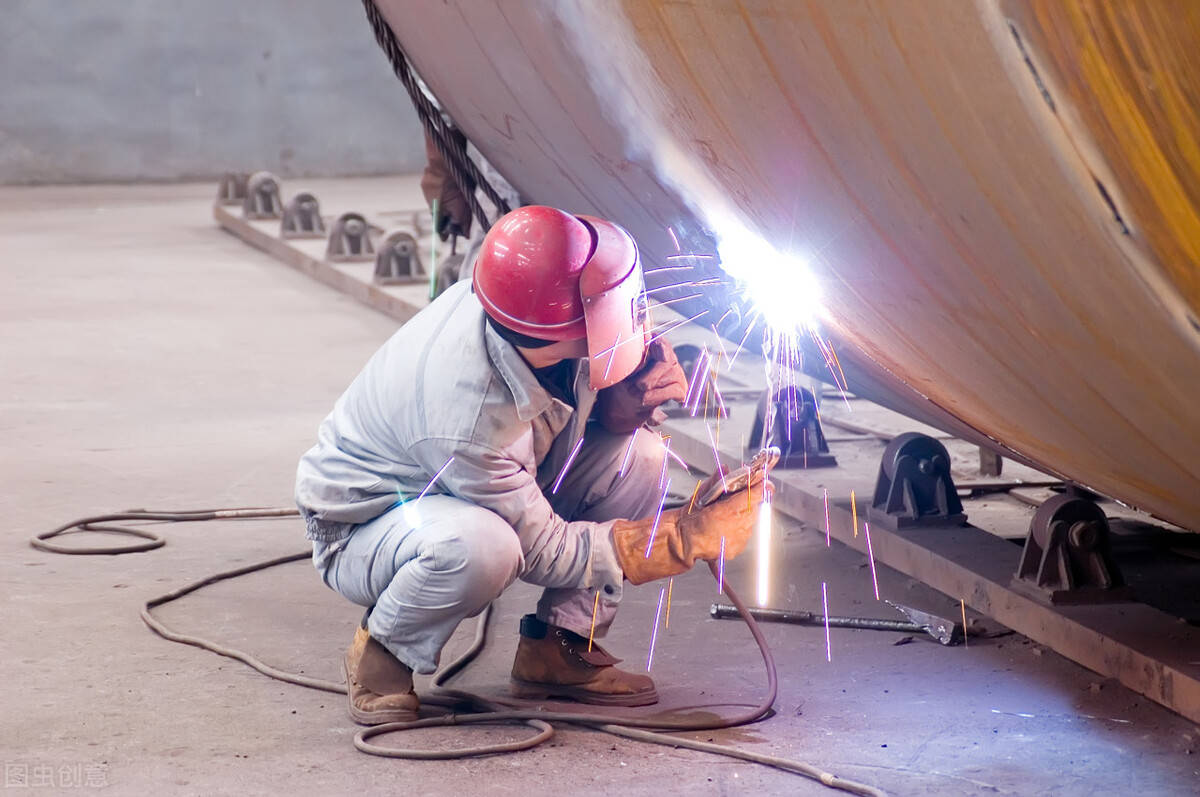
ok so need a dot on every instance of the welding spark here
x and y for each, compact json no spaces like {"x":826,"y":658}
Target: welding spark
{"x":678,"y":459}
{"x":827,"y":518}
{"x":839,"y":378}
{"x":612,"y":355}
{"x":721,"y":409}
{"x":854,"y":512}
{"x":702,"y":372}
{"x":691,"y":256}
{"x":628,"y":454}
{"x":825,"y":604}
{"x":826,"y":356}
{"x":837,"y":362}
{"x":742,"y":344}
{"x":657,"y":519}
{"x":667,"y":619}
{"x":963,"y":604}
{"x":674,"y":240}
{"x":672,"y":286}
{"x":764,"y":551}
{"x":669,"y":268}
{"x":409,"y":509}
{"x":566,"y":466}
{"x":721,"y":568}
{"x":595,"y":609}
{"x":871,"y":559}
{"x":673,"y":326}
{"x":654,"y":633}
{"x":682,"y":299}
{"x":436,"y":476}
{"x":697,"y":368}
{"x":662,"y":476}
{"x":717,"y":335}
{"x":843,"y":385}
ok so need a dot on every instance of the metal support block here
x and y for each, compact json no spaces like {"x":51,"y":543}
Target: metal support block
{"x":302,"y":218}
{"x":1067,"y":557}
{"x":231,"y":190}
{"x":397,"y":262}
{"x":915,"y":487}
{"x":262,"y":199}
{"x":788,"y":419}
{"x":990,"y":463}
{"x":350,"y":240}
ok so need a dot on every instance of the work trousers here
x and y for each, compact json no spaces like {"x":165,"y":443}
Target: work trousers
{"x":426,"y":565}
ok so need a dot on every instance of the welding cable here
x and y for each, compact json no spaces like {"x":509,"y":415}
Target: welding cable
{"x":463,"y":707}
{"x":152,"y":540}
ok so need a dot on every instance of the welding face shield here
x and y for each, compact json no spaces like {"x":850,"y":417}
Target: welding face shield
{"x":616,"y":316}
{"x":550,"y":276}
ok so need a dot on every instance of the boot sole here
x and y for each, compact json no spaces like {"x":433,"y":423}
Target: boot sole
{"x":528,"y":690}
{"x":375,"y":717}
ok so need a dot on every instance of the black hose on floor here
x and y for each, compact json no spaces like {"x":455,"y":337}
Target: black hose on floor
{"x":462,"y":707}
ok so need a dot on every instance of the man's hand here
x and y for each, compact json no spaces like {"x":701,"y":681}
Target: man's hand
{"x":438,"y":185}
{"x":647,"y":550}
{"x":733,"y":517}
{"x":631,"y":402}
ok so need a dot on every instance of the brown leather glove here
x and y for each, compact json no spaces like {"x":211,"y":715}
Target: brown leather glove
{"x":683,"y":537}
{"x":454,"y":214}
{"x":631,"y":402}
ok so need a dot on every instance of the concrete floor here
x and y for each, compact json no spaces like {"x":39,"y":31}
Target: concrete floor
{"x":150,"y":360}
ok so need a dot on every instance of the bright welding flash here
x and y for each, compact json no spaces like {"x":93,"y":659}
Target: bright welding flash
{"x":764,"y":551}
{"x":780,"y":285}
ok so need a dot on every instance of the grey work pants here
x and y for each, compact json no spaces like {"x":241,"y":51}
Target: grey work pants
{"x":428,"y":564}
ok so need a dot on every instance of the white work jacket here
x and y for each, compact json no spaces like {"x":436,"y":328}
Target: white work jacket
{"x":446,"y":388}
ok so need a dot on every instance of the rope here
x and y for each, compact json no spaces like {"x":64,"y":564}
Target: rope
{"x":466,"y":174}
{"x":461,"y":707}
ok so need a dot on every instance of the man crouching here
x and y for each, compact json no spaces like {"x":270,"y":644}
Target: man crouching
{"x":500,"y":434}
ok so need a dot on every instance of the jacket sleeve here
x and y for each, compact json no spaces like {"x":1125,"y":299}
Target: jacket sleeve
{"x":558,"y":553}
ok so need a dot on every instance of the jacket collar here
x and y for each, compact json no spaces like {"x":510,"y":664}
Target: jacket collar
{"x":530,"y":397}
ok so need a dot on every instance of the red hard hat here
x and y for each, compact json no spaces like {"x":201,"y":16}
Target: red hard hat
{"x":553,"y":276}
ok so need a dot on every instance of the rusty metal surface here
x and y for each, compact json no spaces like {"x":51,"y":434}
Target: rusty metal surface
{"x":954,"y":218}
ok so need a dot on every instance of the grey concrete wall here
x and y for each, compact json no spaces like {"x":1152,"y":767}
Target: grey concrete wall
{"x":118,"y":90}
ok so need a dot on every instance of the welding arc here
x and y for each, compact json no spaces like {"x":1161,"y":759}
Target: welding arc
{"x":478,"y":710}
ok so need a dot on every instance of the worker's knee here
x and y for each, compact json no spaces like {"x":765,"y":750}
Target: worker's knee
{"x":478,"y":552}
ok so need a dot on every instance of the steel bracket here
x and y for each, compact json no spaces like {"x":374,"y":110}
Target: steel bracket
{"x":350,"y":240}
{"x":262,"y":197}
{"x":231,"y":190}
{"x":397,"y":262}
{"x":302,"y":218}
{"x":914,"y":487}
{"x":787,"y":418}
{"x":1067,"y":556}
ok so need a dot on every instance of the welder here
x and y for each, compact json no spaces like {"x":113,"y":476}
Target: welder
{"x":503,"y":433}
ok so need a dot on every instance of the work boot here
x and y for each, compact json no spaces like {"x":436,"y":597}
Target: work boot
{"x":555,"y":662}
{"x":379,"y":685}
